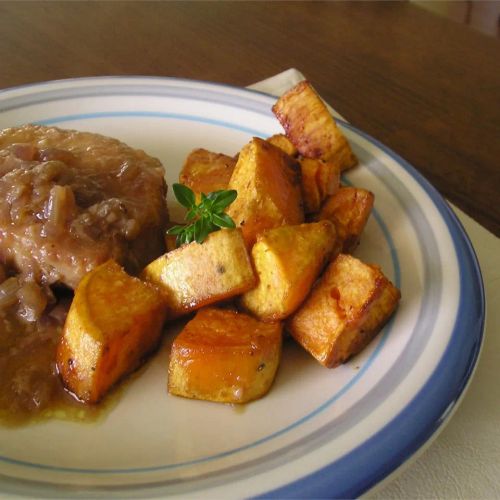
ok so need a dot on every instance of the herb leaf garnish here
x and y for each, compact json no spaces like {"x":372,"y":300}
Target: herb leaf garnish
{"x":205,"y":217}
{"x":184,"y":195}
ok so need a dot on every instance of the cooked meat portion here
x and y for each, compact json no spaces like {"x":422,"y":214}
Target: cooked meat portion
{"x":71,"y":200}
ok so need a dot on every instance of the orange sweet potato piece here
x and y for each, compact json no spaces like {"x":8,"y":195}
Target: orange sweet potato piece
{"x":196,"y":275}
{"x":225,"y":356}
{"x":348,"y":307}
{"x":205,"y":171}
{"x":114,"y":321}
{"x":320,"y":179}
{"x":268,"y":184}
{"x":283,"y":142}
{"x":349,"y":210}
{"x":287,"y":260}
{"x":310,"y":126}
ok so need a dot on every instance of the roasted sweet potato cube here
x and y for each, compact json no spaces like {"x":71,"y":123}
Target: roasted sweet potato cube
{"x":225,"y":356}
{"x":349,"y":210}
{"x":344,"y":158}
{"x":196,"y":275}
{"x":114,"y":321}
{"x":287,"y":260}
{"x":310,"y":189}
{"x":320,"y":179}
{"x":268,"y":184}
{"x":328,"y":178}
{"x":346,"y":309}
{"x":283,"y":142}
{"x":310,"y":126}
{"x":205,"y":171}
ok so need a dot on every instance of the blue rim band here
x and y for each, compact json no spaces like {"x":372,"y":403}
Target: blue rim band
{"x":384,"y":452}
{"x":391,"y":446}
{"x":331,"y":400}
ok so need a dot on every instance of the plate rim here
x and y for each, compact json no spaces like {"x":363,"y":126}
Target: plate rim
{"x":316,"y":483}
{"x":458,"y":233}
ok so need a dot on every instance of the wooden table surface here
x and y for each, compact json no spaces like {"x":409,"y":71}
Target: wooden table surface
{"x":427,"y":87}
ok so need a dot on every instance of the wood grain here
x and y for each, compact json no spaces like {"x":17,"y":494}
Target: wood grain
{"x":425,"y":86}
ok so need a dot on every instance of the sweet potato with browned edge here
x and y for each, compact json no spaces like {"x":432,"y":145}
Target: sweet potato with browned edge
{"x":311,"y":127}
{"x":199,"y":274}
{"x":225,"y":356}
{"x":348,"y":307}
{"x":349,"y":210}
{"x":204,"y":171}
{"x":268,"y":184}
{"x":114,"y":321}
{"x":284,"y":143}
{"x":287,"y":260}
{"x":320,"y":179}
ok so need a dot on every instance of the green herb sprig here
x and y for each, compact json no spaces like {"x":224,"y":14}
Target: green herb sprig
{"x":206,"y":216}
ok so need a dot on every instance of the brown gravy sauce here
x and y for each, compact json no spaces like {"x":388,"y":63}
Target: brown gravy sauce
{"x":30,"y":388}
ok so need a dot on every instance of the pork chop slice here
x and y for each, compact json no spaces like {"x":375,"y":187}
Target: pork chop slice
{"x":70,"y":200}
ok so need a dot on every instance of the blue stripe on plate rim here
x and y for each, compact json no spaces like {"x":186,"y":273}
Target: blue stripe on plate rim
{"x":99,"y":86}
{"x":352,"y":413}
{"x":469,"y":274}
{"x":428,"y":410}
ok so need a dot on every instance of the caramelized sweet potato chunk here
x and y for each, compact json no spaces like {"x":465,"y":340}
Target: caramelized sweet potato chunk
{"x":347,"y":308}
{"x":196,"y":275}
{"x":268,"y":184}
{"x":287,"y":260}
{"x":320,"y":179}
{"x":349,"y":210}
{"x":310,"y":126}
{"x":284,"y":143}
{"x":224,"y":356}
{"x":114,"y":321}
{"x":205,"y":171}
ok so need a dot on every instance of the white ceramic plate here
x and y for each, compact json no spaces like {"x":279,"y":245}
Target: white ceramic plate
{"x":319,"y":432}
